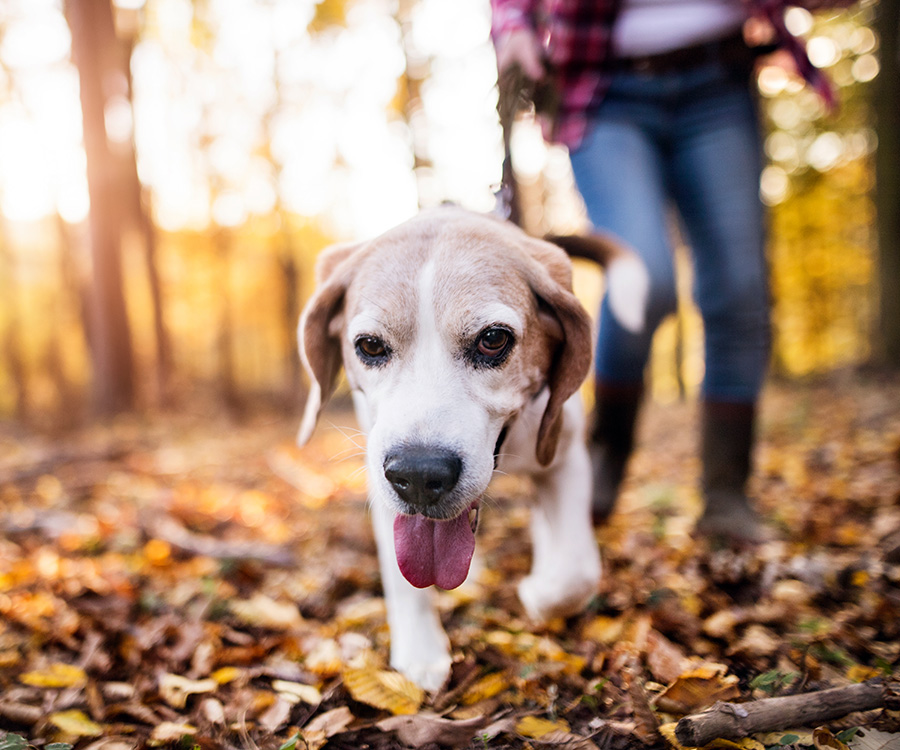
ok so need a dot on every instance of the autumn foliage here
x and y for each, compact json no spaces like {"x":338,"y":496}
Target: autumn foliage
{"x":194,"y":580}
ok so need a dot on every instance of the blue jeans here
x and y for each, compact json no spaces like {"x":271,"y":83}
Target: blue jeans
{"x":690,"y":140}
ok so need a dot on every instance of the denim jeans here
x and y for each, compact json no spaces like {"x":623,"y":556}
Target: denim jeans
{"x":688,"y":140}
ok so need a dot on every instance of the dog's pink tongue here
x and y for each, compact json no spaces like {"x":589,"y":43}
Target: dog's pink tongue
{"x":434,"y":552}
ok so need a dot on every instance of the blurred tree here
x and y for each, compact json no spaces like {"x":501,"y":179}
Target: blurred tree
{"x":138,"y":214}
{"x":887,"y":116}
{"x":95,"y":54}
{"x":409,"y":96}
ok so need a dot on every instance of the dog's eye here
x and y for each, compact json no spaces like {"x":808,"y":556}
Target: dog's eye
{"x":372,"y":350}
{"x":493,"y":345}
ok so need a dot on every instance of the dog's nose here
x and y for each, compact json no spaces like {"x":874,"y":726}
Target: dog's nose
{"x":422,"y":476}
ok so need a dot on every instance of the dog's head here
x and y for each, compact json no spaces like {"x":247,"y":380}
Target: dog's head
{"x":446,"y":326}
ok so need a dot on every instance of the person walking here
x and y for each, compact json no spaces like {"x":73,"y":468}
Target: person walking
{"x":656,"y":102}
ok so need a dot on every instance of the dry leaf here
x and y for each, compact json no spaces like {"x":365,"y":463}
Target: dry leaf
{"x":667,"y":731}
{"x":277,"y":715}
{"x":746,"y":743}
{"x":549,"y":733}
{"x":793,"y":592}
{"x":605,"y":630}
{"x":113,"y":743}
{"x":860,"y":673}
{"x":384,"y":689}
{"x":224,"y":675}
{"x":75,"y":723}
{"x":295,"y":692}
{"x":699,"y":688}
{"x":485,"y":687}
{"x":824,"y":739}
{"x":331,"y":722}
{"x":665,"y":660}
{"x":318,"y":731}
{"x":721,"y":624}
{"x":175,"y":689}
{"x":535,"y":727}
{"x":263,"y":611}
{"x":874,"y":739}
{"x":757,"y":641}
{"x":426,"y":728}
{"x":325,"y":658}
{"x":57,"y":675}
{"x":797,"y":737}
{"x":171,"y":731}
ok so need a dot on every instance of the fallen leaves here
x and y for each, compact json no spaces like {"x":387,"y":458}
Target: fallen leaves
{"x":382,"y":688}
{"x":145,"y":600}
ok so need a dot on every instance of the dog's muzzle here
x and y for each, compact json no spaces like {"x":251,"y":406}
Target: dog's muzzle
{"x":422,"y":477}
{"x":432,"y":547}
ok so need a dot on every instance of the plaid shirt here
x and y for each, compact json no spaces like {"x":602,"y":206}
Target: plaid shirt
{"x":576,"y":36}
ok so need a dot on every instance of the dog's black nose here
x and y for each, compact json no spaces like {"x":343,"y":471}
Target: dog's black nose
{"x":422,"y":476}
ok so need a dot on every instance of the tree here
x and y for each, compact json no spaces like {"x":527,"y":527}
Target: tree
{"x":887,"y":113}
{"x":94,"y":52}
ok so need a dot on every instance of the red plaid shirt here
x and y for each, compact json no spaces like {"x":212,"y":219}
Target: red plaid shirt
{"x":576,"y":36}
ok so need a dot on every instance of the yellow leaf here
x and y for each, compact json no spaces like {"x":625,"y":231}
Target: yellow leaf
{"x":57,"y":675}
{"x":803,"y":737}
{"x":745,"y":743}
{"x":224,"y":675}
{"x":606,"y":630}
{"x":383,"y":689}
{"x":485,"y":687}
{"x":668,"y":734}
{"x":75,"y":724}
{"x":859,"y":673}
{"x":535,"y":728}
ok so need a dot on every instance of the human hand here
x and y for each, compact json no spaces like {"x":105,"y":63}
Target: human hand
{"x":520,"y":47}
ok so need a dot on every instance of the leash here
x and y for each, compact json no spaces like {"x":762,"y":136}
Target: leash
{"x":518,"y":93}
{"x":512,"y":97}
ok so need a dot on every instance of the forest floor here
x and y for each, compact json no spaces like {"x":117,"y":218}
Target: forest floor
{"x":191,"y":581}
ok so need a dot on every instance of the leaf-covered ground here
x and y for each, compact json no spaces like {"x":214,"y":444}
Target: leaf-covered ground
{"x":188,"y":580}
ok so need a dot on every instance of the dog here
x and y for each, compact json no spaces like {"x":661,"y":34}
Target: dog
{"x":464,"y":348}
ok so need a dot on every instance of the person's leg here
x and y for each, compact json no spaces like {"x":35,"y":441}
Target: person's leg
{"x":619,"y":172}
{"x":715,"y":175}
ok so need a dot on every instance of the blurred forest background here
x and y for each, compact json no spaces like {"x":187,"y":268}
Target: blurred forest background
{"x":169,"y":170}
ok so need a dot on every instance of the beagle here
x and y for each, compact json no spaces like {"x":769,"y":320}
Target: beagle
{"x":464,"y":348}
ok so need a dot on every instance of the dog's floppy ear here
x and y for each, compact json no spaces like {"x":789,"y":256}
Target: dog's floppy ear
{"x":550,"y":277}
{"x":319,"y":331}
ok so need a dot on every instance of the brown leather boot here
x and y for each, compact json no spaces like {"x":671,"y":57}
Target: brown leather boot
{"x":727,"y":436}
{"x":611,"y":442}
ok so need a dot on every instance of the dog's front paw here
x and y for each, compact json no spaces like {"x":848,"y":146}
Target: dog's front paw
{"x":545,"y":597}
{"x":428,"y":668}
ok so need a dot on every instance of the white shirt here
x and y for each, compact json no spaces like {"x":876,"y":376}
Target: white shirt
{"x":650,"y":27}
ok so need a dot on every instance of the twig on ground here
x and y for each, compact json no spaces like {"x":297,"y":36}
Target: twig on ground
{"x":732,"y":721}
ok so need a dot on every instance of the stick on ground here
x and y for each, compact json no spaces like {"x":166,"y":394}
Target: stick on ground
{"x":732,"y":721}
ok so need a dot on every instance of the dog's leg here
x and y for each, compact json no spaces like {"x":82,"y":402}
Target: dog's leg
{"x":420,"y":648}
{"x":565,"y":569}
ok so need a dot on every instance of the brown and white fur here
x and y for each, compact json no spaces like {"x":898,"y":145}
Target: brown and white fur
{"x":464,"y":348}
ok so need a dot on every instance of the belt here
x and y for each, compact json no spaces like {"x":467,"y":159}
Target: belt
{"x":730,"y":50}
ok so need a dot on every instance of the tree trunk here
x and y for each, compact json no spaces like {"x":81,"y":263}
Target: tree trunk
{"x":93,"y":49}
{"x":887,"y":164}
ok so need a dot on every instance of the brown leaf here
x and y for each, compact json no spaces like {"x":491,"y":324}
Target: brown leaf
{"x":699,"y":688}
{"x":823,"y":739}
{"x":665,"y":660}
{"x":426,"y":728}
